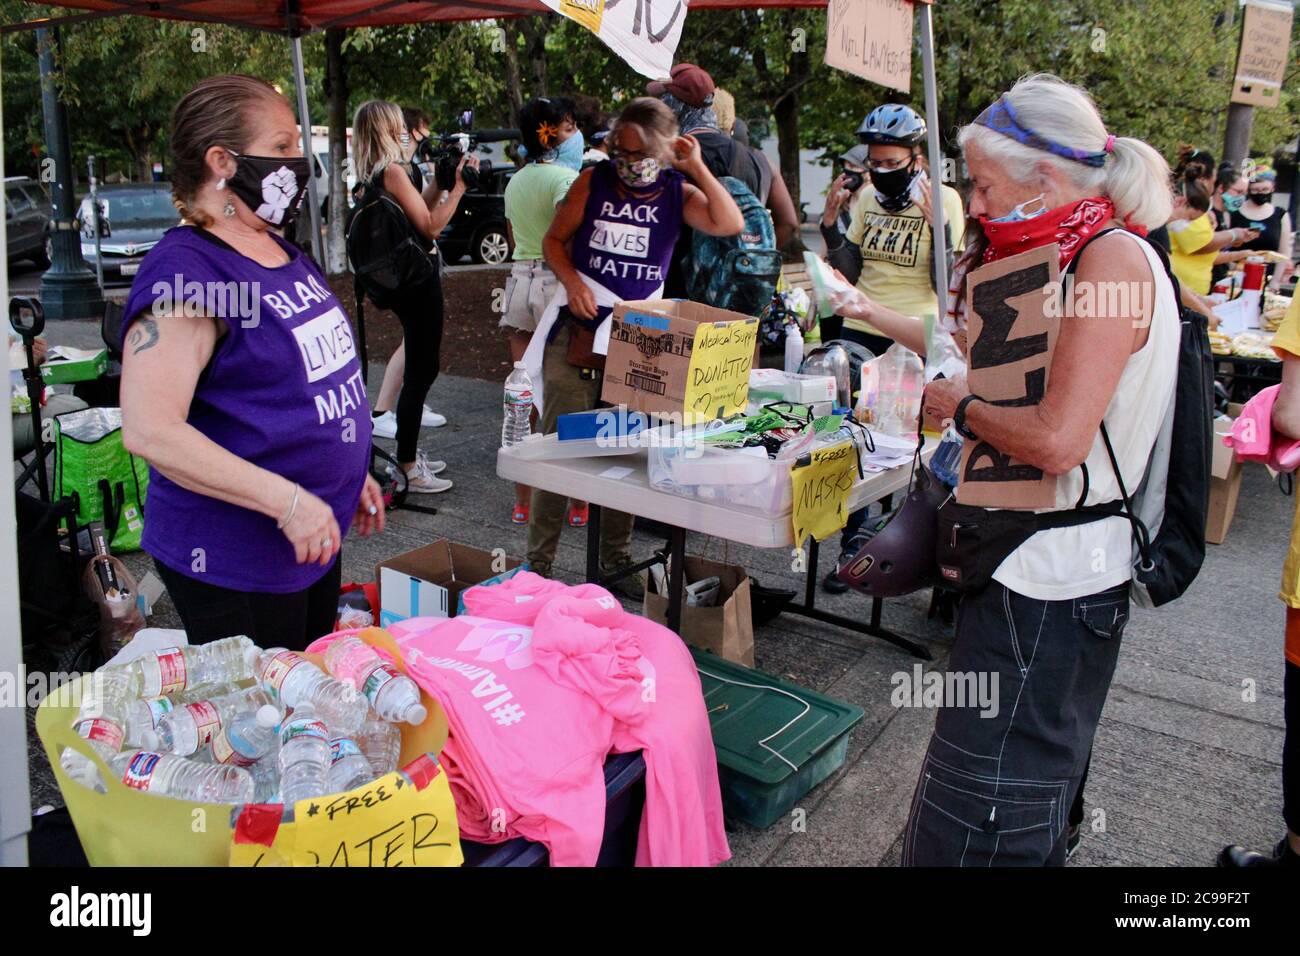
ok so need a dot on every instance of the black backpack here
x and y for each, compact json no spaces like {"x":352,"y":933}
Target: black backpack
{"x":1169,"y":516}
{"x":385,"y":253}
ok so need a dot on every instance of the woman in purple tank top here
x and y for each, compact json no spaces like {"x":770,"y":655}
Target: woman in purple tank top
{"x":615,"y":232}
{"x":241,"y":385}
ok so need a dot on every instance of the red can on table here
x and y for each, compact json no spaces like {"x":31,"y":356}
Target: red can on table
{"x":1256,"y":270}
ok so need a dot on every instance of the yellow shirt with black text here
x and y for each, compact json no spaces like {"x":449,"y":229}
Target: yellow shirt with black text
{"x":896,"y":266}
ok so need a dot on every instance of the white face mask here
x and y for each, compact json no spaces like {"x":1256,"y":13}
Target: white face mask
{"x":1179,"y":225}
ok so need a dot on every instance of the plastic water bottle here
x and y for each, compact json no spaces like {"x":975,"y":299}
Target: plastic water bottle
{"x":348,"y":766}
{"x":901,"y":383}
{"x":381,"y":742}
{"x":793,"y":347}
{"x":188,"y":728}
{"x":393,"y":695}
{"x":947,"y":457}
{"x":170,"y":776}
{"x":171,"y":670}
{"x":101,"y":720}
{"x":293,"y":681}
{"x":304,"y":756}
{"x":143,"y":715}
{"x":518,"y":407}
{"x":251,"y":740}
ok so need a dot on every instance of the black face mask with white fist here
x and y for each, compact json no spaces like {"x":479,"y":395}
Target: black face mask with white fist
{"x":273,"y":187}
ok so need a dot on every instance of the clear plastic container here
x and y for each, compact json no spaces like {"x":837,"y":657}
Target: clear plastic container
{"x":393,"y":695}
{"x":101,"y":720}
{"x":293,"y":681}
{"x":348,"y":766}
{"x":167,"y":672}
{"x":901,"y":383}
{"x":740,"y":477}
{"x":167,"y":775}
{"x":304,"y":756}
{"x":190,"y":727}
{"x":517,"y":408}
{"x":381,"y":742}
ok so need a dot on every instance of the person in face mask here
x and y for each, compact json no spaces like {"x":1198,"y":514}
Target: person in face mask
{"x":612,"y":239}
{"x":1272,"y":222}
{"x":553,"y":146}
{"x":241,"y":385}
{"x":888,"y":245}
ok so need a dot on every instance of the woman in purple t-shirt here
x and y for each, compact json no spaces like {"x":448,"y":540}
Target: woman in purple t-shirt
{"x":241,"y":385}
{"x":615,"y":233}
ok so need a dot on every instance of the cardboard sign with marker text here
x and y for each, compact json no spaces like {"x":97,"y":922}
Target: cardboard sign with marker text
{"x":1010,"y":342}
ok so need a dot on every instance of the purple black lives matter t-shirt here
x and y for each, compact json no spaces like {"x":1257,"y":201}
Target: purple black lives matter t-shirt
{"x":283,"y":390}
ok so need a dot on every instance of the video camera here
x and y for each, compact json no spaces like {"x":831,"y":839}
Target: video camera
{"x":445,"y":155}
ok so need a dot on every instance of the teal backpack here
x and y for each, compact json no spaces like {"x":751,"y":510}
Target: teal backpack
{"x":736,"y":272}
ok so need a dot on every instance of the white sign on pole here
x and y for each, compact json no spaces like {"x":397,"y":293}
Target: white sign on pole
{"x":643,"y":32}
{"x":871,"y":39}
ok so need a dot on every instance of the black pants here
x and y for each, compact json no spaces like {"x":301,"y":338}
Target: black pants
{"x":996,"y":786}
{"x":291,"y":620}
{"x":420,"y":310}
{"x":1291,"y":748}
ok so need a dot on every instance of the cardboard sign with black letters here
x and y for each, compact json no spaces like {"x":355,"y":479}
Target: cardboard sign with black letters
{"x":1010,"y":342}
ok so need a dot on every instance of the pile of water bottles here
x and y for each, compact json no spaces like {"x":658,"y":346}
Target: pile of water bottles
{"x":229,"y":722}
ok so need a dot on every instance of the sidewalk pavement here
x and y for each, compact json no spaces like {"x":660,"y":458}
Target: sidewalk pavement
{"x":1188,"y":754}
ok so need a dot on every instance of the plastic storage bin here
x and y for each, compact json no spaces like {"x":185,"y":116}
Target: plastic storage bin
{"x":624,"y":801}
{"x":758,"y":787}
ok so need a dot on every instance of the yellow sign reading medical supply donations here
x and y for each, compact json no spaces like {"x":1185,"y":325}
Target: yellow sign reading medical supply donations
{"x":717,"y":378}
{"x":401,"y":819}
{"x":821,"y":491}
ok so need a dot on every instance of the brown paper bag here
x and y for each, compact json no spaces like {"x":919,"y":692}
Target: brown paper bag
{"x":726,"y":629}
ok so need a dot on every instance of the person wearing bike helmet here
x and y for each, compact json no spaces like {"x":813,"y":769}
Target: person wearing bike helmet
{"x":887,"y":247}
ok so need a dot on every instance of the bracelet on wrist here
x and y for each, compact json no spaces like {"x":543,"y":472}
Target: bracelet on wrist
{"x":293,"y":507}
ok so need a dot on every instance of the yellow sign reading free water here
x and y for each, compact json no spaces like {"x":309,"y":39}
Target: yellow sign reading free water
{"x":717,"y":378}
{"x":821,"y":491}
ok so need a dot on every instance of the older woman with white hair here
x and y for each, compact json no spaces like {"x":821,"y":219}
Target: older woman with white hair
{"x":997,"y":781}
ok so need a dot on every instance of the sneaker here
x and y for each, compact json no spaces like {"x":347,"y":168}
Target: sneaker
{"x":431,"y":419}
{"x":421,"y":479}
{"x":832,"y":584}
{"x":433,"y":467}
{"x":385,"y":425}
{"x":631,"y":587}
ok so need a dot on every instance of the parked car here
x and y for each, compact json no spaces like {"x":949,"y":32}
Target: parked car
{"x":27,"y":220}
{"x":137,"y":216}
{"x":478,"y":228}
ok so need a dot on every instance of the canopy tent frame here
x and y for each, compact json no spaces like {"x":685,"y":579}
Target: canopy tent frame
{"x":14,"y":799}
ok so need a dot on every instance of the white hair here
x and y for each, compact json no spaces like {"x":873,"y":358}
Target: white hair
{"x":1135,"y":177}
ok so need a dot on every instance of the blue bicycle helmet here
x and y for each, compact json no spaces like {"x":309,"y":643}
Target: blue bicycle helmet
{"x":892,"y":125}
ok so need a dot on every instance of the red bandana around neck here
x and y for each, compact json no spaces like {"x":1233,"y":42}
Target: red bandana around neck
{"x":1070,"y":225}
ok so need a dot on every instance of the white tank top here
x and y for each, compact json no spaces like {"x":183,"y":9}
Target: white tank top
{"x":1062,"y":563}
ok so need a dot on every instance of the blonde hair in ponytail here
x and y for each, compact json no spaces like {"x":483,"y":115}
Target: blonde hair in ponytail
{"x":1135,"y":177}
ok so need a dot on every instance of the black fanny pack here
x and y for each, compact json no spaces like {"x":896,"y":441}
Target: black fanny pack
{"x":973,"y":541}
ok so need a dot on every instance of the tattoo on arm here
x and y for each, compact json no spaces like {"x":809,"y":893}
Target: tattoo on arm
{"x":144,"y":336}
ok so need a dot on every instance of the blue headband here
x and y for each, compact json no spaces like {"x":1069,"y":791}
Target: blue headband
{"x":1001,"y":118}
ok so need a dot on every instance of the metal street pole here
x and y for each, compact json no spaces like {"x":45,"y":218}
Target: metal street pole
{"x":936,"y":157}
{"x":68,"y":288}
{"x":300,"y":81}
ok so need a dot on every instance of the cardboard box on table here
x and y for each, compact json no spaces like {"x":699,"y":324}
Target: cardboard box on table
{"x":726,"y":629}
{"x":429,"y":581}
{"x":1225,"y":482}
{"x":656,"y":363}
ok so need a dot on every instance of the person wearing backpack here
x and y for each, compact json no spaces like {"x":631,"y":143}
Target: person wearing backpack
{"x":1046,"y":594}
{"x":415,"y":297}
{"x":887,"y":249}
{"x":689,"y":93}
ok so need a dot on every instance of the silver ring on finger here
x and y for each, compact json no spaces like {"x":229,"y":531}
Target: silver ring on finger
{"x":326,"y":544}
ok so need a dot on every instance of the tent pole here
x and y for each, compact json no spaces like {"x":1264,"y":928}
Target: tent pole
{"x":300,"y":83}
{"x":936,"y":157}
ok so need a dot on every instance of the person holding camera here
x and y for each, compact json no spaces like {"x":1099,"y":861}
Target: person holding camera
{"x":377,"y":131}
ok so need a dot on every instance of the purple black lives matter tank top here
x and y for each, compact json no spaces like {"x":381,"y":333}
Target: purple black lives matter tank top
{"x":282,"y":390}
{"x":627,"y":235}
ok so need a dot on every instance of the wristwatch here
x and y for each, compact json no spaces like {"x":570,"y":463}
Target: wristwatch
{"x":959,"y":417}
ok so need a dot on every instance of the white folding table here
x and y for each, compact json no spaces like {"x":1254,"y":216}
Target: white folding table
{"x":621,"y":482}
